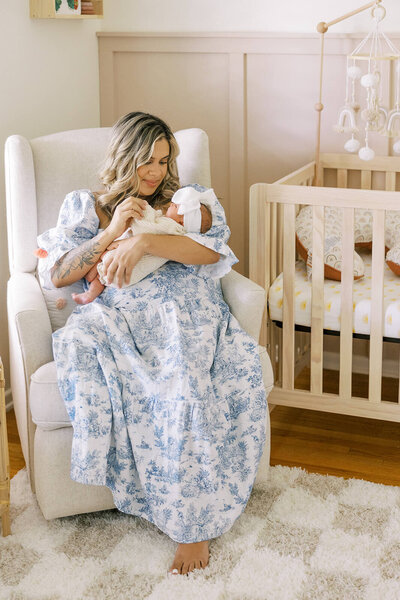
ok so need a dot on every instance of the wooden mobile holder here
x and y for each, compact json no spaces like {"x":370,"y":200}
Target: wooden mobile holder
{"x":322,"y":28}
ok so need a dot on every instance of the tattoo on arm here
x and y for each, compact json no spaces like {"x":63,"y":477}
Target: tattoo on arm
{"x":87,"y":253}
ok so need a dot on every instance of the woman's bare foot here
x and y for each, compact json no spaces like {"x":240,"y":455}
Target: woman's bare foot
{"x":189,"y":557}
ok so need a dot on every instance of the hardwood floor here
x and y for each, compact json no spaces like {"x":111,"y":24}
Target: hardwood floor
{"x":17,"y":461}
{"x":336,"y":444}
{"x":319,"y":442}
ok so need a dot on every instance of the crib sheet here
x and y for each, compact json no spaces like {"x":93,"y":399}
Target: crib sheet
{"x":332,"y":297}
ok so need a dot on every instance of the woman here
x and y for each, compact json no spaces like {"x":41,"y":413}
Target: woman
{"x":163,"y":387}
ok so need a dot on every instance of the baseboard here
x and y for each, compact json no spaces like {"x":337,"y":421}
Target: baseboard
{"x":390,"y":368}
{"x":9,"y":400}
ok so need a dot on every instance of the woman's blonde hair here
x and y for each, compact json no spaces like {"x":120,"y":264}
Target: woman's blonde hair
{"x":132,"y":145}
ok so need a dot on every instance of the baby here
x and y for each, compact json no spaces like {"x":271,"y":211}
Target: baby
{"x":184,"y":214}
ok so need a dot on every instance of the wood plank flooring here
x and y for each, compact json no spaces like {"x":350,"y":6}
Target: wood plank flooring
{"x":336,"y":444}
{"x":17,"y":461}
{"x":316,"y":441}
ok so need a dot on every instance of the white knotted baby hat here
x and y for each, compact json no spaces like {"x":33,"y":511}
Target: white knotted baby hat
{"x":189,"y":200}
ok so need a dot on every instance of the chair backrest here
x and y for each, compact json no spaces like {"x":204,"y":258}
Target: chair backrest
{"x":40,"y":172}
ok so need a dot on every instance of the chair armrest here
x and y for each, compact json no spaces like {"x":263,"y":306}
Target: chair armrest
{"x":27,"y":313}
{"x":247,"y":301}
{"x":29,"y":331}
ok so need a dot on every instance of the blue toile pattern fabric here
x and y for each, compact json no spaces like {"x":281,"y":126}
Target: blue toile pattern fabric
{"x":163,"y":387}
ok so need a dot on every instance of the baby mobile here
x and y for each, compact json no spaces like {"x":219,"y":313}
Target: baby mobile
{"x":364,"y":111}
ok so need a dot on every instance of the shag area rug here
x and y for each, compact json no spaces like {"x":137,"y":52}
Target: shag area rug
{"x":301,"y":537}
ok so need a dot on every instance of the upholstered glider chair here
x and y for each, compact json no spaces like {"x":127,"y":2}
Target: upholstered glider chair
{"x":39,"y":173}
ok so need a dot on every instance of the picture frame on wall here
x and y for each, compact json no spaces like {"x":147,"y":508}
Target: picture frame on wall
{"x":68,"y":7}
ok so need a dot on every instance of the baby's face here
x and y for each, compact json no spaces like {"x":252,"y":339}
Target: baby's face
{"x":172,"y":213}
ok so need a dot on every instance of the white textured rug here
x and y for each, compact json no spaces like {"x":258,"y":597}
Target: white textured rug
{"x":301,"y":537}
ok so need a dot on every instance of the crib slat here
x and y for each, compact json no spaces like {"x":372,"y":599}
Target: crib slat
{"x":266,"y":228}
{"x":280,"y":238}
{"x":342,"y":178}
{"x":289,"y":249}
{"x":265,"y":331}
{"x":319,"y":175}
{"x":376,"y":339}
{"x":317,"y":305}
{"x":273,"y":244}
{"x":346,"y":305}
{"x":366,"y":180}
{"x":390,"y":183}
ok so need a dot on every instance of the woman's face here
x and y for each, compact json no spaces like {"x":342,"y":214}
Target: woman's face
{"x":153,"y":172}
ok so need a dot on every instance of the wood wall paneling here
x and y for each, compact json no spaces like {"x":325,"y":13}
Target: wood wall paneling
{"x":254,"y":94}
{"x":174,"y":86}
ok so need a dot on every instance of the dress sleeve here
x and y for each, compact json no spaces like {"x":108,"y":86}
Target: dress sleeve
{"x":77,"y":223}
{"x":216,"y":239}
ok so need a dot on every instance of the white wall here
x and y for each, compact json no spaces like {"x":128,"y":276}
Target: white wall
{"x":240,"y":15}
{"x":49,"y":83}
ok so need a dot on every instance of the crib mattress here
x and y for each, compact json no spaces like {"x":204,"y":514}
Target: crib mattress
{"x":332,"y":297}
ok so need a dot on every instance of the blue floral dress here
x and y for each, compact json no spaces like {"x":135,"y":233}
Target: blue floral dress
{"x":163,"y":387}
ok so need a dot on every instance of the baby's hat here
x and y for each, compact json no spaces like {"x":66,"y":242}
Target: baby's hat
{"x":189,"y":200}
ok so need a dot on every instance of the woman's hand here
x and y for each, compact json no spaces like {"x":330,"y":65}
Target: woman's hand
{"x":129,"y":208}
{"x":119,"y":264}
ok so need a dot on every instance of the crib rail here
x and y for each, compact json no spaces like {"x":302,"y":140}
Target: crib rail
{"x":273,"y":209}
{"x":352,"y":162}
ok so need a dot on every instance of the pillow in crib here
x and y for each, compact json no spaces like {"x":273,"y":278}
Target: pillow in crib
{"x":333,"y":240}
{"x":59,"y":301}
{"x":392,"y":240}
{"x":333,"y":243}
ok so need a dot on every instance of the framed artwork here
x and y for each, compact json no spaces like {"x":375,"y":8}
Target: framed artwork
{"x":68,"y":7}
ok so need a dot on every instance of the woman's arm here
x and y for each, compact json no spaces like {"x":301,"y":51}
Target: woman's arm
{"x":119,"y":264}
{"x":76,"y":263}
{"x":179,"y":248}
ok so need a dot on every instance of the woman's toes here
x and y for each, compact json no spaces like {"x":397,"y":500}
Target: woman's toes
{"x":176,"y":569}
{"x":185,"y":568}
{"x":191,"y":566}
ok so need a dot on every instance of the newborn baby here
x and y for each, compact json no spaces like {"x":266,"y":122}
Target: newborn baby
{"x":184,"y":214}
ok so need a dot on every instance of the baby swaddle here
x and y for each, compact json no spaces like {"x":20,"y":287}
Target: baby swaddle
{"x":153,"y":222}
